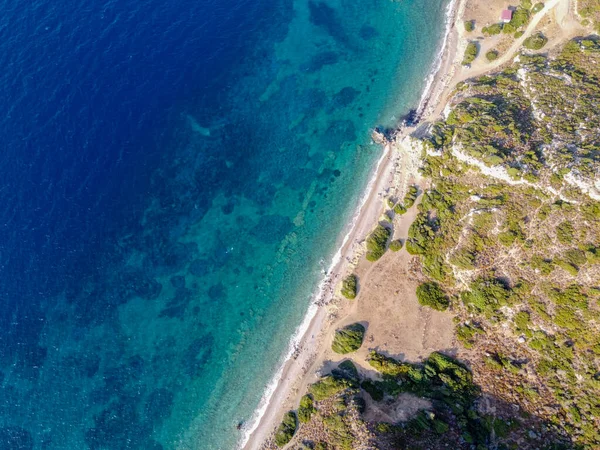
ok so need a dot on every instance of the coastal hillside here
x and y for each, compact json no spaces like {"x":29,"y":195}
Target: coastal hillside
{"x":506,"y":240}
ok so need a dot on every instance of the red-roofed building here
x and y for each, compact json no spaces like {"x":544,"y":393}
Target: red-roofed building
{"x":506,"y":15}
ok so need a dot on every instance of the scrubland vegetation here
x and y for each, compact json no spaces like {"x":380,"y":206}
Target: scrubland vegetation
{"x":519,"y":261}
{"x":377,"y":242}
{"x":350,"y":286}
{"x":507,"y":240}
{"x":348,"y":339}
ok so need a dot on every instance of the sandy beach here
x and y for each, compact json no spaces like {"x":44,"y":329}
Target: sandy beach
{"x":387,"y":305}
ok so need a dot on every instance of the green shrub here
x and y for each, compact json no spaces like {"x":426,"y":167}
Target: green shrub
{"x":526,"y":4}
{"x":286,"y":430}
{"x":518,"y":34}
{"x":339,"y":431}
{"x":537,"y":7}
{"x":431,"y":294}
{"x":399,"y":209}
{"x":508,"y":28}
{"x":492,"y":29}
{"x":486,"y":295}
{"x":377,"y":242}
{"x":411,"y":196}
{"x":492,"y":55}
{"x":522,"y":320}
{"x":388,"y":366}
{"x":565,"y":232}
{"x":535,"y":41}
{"x":321,"y":446}
{"x":469,"y":26}
{"x":396,"y":245}
{"x":328,"y":386}
{"x":519,"y":18}
{"x":350,"y":286}
{"x":466,"y":334}
{"x":470,"y":53}
{"x":373,"y":390}
{"x":346,"y":369}
{"x":306,"y":408}
{"x":348,"y":339}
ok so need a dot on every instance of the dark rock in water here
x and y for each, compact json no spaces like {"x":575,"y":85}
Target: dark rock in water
{"x":368,"y":32}
{"x":217,"y":292}
{"x":158,"y":406}
{"x":199,"y":267}
{"x":138,"y":284}
{"x":177,"y":306}
{"x":411,"y":118}
{"x":118,"y":426}
{"x":346,"y":96}
{"x":83,"y":364}
{"x":271,"y":228}
{"x":227,"y":209}
{"x":197,"y":355}
{"x":320,"y":60}
{"x":324,"y":16}
{"x":179,"y":254}
{"x":15,"y":438}
{"x":340,"y":131}
{"x":178,"y":281}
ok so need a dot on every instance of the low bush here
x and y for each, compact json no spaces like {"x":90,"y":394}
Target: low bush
{"x":377,"y":242}
{"x":486,"y":296}
{"x":350,"y":286}
{"x":520,"y":17}
{"x":519,"y":33}
{"x":411,"y":196}
{"x":492,"y":55}
{"x":346,"y":369}
{"x":388,"y":366}
{"x":340,"y":432}
{"x":537,"y":7}
{"x":396,"y":245}
{"x":286,"y":430}
{"x":373,"y":390}
{"x":328,"y":386}
{"x":399,"y":209}
{"x":492,"y":29}
{"x":565,"y":232}
{"x":431,"y":294}
{"x":469,"y":26}
{"x":535,"y":42}
{"x":348,"y":339}
{"x":470,"y":53}
{"x":306,"y":409}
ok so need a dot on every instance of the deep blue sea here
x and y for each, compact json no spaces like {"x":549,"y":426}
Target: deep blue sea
{"x":174,"y":177}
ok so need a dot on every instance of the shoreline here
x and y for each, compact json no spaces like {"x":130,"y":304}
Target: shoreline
{"x":308,"y":339}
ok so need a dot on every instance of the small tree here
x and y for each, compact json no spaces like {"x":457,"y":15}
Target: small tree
{"x":492,"y":29}
{"x":348,"y":339}
{"x":535,"y":42}
{"x":377,"y":243}
{"x":470,"y":53}
{"x":286,"y":430}
{"x":492,"y":55}
{"x":396,"y":245}
{"x":469,"y":26}
{"x":537,"y":8}
{"x":306,"y":408}
{"x":350,"y":286}
{"x":431,"y":294}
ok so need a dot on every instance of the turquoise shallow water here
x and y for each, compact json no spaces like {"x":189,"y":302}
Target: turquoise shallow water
{"x":167,"y":330}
